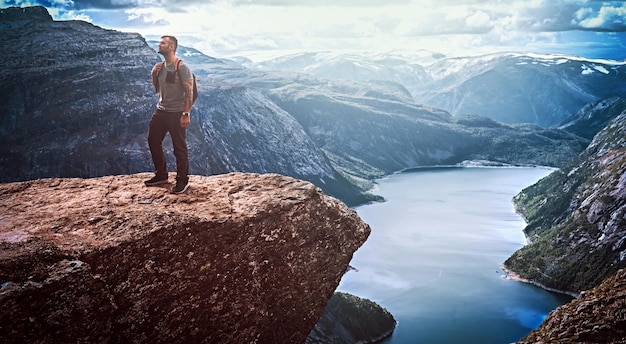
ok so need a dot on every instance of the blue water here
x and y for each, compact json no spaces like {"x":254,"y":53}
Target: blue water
{"x":434,"y":256}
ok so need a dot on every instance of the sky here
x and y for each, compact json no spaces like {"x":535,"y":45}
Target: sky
{"x":257,"y":28}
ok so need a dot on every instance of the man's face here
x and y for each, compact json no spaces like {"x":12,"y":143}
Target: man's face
{"x":164,"y":46}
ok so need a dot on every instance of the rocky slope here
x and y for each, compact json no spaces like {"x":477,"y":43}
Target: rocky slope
{"x":239,"y":258}
{"x":598,"y":316}
{"x":577,"y":217}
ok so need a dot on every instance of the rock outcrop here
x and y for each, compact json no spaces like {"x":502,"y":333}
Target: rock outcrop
{"x":598,"y":316}
{"x":239,"y":258}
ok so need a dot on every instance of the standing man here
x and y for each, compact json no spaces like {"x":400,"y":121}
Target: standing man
{"x":173,"y":81}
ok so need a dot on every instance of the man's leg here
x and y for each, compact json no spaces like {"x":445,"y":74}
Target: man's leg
{"x":156,"y":133}
{"x":179,"y":140}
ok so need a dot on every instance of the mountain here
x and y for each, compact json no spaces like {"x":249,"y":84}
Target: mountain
{"x":239,"y":258}
{"x":371,"y":129}
{"x":509,"y":87}
{"x":402,"y":68}
{"x":75,"y":101}
{"x":577,"y":217}
{"x":522,"y":88}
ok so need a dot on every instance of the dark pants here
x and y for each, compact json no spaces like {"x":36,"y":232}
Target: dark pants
{"x":160,"y":124}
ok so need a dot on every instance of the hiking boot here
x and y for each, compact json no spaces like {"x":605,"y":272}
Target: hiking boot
{"x":155,"y":181}
{"x":181,"y":186}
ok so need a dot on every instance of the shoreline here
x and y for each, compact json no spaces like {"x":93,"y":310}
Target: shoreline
{"x":513,"y":276}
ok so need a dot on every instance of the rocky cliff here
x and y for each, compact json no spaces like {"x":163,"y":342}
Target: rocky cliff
{"x":577,"y":217}
{"x":239,"y":258}
{"x":598,"y":316}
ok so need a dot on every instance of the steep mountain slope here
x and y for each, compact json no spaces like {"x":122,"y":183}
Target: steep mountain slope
{"x":72,"y":98}
{"x":577,"y":217}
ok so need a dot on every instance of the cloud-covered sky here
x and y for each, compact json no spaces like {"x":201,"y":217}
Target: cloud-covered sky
{"x":222,"y":28}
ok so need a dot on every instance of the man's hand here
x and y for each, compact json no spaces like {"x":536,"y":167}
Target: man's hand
{"x":157,"y":68}
{"x":184,"y":121}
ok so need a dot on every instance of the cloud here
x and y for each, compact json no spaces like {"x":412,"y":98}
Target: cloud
{"x":321,"y":3}
{"x":449,"y":26}
{"x":606,"y":18}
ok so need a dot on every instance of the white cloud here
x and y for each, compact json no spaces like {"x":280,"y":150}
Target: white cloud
{"x":608,"y":17}
{"x":224,"y":27}
{"x":478,"y":19}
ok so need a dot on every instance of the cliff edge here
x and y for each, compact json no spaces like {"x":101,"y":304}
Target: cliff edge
{"x":239,"y":258}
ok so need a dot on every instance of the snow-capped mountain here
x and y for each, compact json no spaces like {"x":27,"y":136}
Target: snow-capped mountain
{"x":508,"y":87}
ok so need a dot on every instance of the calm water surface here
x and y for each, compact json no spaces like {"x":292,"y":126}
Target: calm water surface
{"x":435,"y":253}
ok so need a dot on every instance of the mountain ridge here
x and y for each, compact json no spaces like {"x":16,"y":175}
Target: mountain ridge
{"x":511,"y":87}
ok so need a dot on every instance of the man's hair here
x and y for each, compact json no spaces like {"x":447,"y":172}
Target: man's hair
{"x":173,"y":40}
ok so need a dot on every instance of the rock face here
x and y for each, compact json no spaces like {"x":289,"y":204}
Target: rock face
{"x":239,"y":258}
{"x":598,"y":316}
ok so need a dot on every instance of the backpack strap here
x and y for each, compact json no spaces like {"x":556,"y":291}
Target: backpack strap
{"x":177,"y":68}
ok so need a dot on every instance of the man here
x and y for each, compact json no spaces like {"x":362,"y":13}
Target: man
{"x":171,"y":115}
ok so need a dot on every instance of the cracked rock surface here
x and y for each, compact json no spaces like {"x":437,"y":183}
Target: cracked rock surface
{"x":238,"y":258}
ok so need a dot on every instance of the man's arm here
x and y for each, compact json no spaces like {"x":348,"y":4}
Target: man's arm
{"x":188,"y":87}
{"x":155,"y":73}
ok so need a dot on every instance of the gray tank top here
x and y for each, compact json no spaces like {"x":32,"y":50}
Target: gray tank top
{"x":171,"y":94}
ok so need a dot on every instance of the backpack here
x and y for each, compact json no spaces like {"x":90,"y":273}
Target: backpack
{"x":195,"y":84}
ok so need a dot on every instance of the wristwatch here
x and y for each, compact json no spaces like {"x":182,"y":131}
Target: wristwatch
{"x":186,"y":114}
